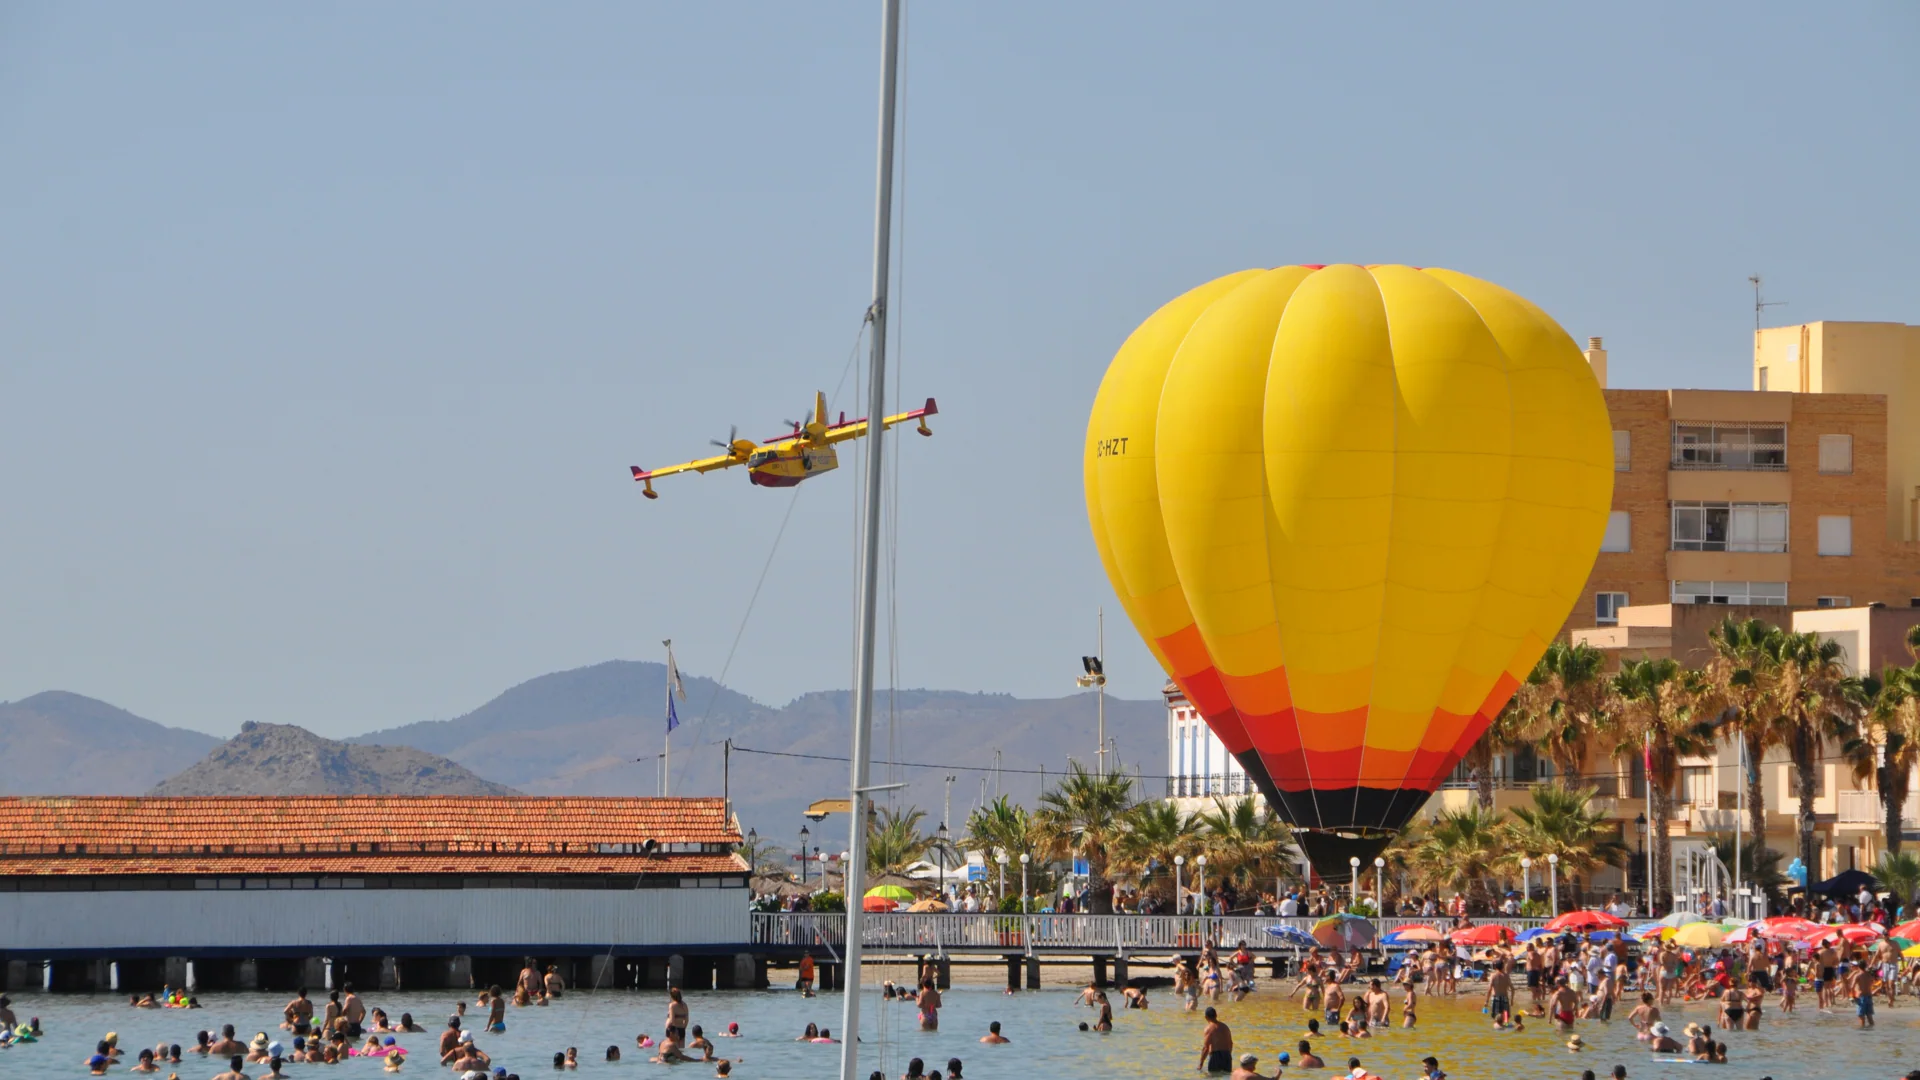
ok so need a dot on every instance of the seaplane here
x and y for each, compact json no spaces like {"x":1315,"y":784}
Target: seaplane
{"x":785,"y":460}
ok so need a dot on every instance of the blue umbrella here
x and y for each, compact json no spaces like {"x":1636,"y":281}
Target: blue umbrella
{"x":1531,"y":933}
{"x":1293,"y":935}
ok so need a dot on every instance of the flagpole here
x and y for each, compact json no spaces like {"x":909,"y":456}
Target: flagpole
{"x":666,"y":741}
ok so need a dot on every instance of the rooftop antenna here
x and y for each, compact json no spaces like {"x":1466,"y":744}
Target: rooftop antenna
{"x":1760,"y":305}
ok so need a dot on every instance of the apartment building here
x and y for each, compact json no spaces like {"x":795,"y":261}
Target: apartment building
{"x":1770,"y":499}
{"x":1838,"y":358}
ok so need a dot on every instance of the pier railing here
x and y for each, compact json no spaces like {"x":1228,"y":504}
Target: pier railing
{"x":1112,"y":935}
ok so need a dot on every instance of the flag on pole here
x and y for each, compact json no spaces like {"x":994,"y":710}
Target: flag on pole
{"x":674,"y":689}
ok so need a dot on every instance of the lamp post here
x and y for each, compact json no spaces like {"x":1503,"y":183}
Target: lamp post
{"x":941,"y":849}
{"x":1526,"y":879}
{"x":1640,"y":823}
{"x":1001,"y":858}
{"x":1354,"y":862}
{"x":1179,"y":862}
{"x":753,"y":849}
{"x":1200,"y":883}
{"x":1379,"y":887}
{"x":1023,"y":882}
{"x":803,"y":854}
{"x":1553,"y":878}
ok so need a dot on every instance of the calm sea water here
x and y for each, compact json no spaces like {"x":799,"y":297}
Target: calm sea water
{"x":1161,"y":1042}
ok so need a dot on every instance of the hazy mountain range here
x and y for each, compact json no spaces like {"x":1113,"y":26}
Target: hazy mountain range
{"x":596,"y":731}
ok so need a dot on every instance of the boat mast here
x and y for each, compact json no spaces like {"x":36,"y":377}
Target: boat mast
{"x":854,"y":873}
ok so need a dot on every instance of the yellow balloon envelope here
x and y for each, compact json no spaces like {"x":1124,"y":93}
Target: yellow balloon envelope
{"x":1347,"y":507}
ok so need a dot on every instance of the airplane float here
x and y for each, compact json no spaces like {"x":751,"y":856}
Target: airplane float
{"x":785,"y":460}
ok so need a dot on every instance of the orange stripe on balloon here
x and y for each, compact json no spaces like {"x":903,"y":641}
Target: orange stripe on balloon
{"x":1210,"y":699}
{"x":1334,"y":732}
{"x":1385,"y":768}
{"x":1263,"y":694}
{"x":1331,"y":770}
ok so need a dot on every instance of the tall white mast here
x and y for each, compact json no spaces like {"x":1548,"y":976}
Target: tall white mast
{"x":855,"y":870}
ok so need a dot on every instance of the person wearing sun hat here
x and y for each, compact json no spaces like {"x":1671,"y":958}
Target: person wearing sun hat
{"x":1576,"y":1043}
{"x":1662,"y":1040}
{"x":257,"y":1048}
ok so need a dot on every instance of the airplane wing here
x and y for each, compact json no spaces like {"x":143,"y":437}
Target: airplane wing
{"x":853,"y":429}
{"x":718,"y":461}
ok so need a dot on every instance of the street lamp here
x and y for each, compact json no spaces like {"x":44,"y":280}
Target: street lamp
{"x":803,"y":854}
{"x":1354,"y":862}
{"x":1179,"y":862}
{"x":753,"y":849}
{"x":1023,"y":882}
{"x":1379,"y":887}
{"x":941,"y":849}
{"x":1001,"y":858}
{"x":1553,"y":877}
{"x":1526,"y":879}
{"x":1640,"y":823}
{"x":1200,"y":882}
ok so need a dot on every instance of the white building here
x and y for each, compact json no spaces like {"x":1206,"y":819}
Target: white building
{"x":1198,"y":764}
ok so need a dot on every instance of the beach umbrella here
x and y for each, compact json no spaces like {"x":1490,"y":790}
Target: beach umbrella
{"x":1484,"y":934}
{"x":1418,"y":932}
{"x":879,"y":903}
{"x":1680,"y":918}
{"x":1911,"y":950}
{"x":1743,"y":934}
{"x":1909,"y":929}
{"x":1532,"y":932}
{"x":930,"y":905}
{"x":1292,"y":935}
{"x":1603,"y":935}
{"x":1861,"y":933}
{"x":1344,"y":931}
{"x":891,"y":892}
{"x":1579,"y":922}
{"x":1786,"y":927}
{"x":1644,"y":931}
{"x":1698,"y":935}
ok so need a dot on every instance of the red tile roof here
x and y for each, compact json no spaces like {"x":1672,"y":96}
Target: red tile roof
{"x":325,"y":833}
{"x":353,"y":865}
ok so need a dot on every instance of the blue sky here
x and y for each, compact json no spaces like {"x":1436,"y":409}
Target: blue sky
{"x":327,"y":334}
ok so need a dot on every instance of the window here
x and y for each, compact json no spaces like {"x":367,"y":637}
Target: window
{"x":1606,"y":607}
{"x":1763,"y":378}
{"x":1836,"y":534}
{"x":1836,"y":453}
{"x":1704,"y":526}
{"x":1622,"y":451}
{"x":1729,"y":446}
{"x":1793,"y":352}
{"x":1696,"y":785}
{"x":1619,"y":536}
{"x":1730,"y":592}
{"x":1833,"y":601}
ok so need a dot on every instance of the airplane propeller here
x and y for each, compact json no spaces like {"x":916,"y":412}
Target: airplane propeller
{"x":733,"y":435}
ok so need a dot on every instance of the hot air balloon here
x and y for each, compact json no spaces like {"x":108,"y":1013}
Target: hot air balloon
{"x":1347,"y":507}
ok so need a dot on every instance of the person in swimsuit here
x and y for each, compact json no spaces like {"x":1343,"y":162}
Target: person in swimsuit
{"x":930,"y":1006}
{"x":1105,"y":1023}
{"x":1500,"y":995}
{"x":1406,"y":1008}
{"x":1216,"y":1045}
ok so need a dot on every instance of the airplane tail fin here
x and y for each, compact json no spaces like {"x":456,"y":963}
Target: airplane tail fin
{"x":819,"y":407}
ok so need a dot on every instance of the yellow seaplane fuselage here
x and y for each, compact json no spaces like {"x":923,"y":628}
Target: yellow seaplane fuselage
{"x":785,"y":460}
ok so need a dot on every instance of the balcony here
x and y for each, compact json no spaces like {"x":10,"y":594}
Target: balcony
{"x":1862,"y":809}
{"x":1202,"y":787}
{"x":1707,"y":819}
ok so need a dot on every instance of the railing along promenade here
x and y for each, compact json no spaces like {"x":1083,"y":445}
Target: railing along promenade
{"x":931,"y":933}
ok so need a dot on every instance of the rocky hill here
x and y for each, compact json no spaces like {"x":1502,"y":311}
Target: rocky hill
{"x":280,"y":759}
{"x":59,"y":743}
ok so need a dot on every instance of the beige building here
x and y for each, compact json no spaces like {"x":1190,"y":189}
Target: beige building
{"x":1734,"y":497}
{"x":1839,"y":358}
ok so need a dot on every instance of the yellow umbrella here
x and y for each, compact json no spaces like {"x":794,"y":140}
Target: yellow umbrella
{"x":1911,"y":950}
{"x":1699,"y":935}
{"x":891,"y":892}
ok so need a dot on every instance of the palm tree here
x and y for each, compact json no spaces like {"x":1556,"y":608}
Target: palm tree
{"x":1889,"y":748}
{"x":1156,"y":831}
{"x":1561,"y":821}
{"x":1001,"y":827}
{"x":1899,"y":871}
{"x":1656,"y":710}
{"x":894,"y":840}
{"x":1456,"y":851}
{"x":1565,"y":699}
{"x":1083,"y":816}
{"x":1247,"y":844}
{"x":1743,"y":676}
{"x":1818,"y":701}
{"x":1506,"y":731}
{"x":762,"y":856}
